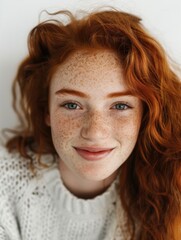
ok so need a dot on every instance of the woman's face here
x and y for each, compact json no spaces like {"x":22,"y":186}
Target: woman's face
{"x":94,"y":119}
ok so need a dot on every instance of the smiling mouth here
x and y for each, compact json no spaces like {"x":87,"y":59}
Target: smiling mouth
{"x":93,"y":154}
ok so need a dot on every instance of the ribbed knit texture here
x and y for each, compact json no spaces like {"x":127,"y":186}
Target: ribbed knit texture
{"x":39,"y":207}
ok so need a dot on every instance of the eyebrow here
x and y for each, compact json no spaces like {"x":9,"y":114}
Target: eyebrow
{"x":119,"y":94}
{"x":66,"y":91}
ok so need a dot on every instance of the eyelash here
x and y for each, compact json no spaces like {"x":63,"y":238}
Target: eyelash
{"x":124,"y":106}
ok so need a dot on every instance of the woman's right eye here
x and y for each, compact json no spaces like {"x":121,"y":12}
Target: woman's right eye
{"x":70,"y":106}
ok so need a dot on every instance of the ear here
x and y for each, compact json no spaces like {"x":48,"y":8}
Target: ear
{"x":47,"y":120}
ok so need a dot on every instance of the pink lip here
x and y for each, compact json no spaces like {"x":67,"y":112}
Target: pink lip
{"x":93,"y":153}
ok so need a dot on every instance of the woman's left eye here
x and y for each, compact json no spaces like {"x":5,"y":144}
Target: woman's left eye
{"x":121,"y":106}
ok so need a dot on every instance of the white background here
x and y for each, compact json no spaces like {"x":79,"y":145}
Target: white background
{"x":18,"y":17}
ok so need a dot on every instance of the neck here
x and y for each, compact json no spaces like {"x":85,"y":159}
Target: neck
{"x":81,"y":187}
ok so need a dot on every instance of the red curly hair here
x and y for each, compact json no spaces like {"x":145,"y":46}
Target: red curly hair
{"x":150,"y":181}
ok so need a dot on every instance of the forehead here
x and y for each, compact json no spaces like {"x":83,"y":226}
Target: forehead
{"x":86,"y":66}
{"x":87,"y":57}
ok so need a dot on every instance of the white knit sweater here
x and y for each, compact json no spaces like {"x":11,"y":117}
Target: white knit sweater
{"x":39,"y":207}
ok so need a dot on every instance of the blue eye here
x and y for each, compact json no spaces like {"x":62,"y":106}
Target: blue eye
{"x":121,"y":106}
{"x":71,"y":106}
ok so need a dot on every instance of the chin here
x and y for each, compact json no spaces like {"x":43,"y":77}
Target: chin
{"x":95,"y":175}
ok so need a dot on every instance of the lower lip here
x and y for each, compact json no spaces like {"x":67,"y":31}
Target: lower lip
{"x":93,"y":156}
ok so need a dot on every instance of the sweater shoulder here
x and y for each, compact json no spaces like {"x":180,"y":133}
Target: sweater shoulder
{"x":15,"y":174}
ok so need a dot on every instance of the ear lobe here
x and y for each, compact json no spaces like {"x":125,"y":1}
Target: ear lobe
{"x":47,"y":120}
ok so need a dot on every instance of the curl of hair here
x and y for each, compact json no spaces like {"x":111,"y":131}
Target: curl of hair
{"x":149,"y":185}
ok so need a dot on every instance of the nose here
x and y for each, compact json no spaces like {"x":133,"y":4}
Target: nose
{"x":96,"y":126}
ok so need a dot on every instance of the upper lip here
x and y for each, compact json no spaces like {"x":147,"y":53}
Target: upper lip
{"x":94,"y":149}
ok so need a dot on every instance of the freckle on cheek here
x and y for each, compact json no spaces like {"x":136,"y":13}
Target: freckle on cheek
{"x":78,"y":125}
{"x":64,"y":129}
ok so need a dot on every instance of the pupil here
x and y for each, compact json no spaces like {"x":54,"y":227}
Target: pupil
{"x":72,"y":105}
{"x":120,"y":106}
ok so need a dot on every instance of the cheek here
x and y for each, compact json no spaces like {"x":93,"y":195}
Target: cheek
{"x":127,"y":129}
{"x":64,"y":128}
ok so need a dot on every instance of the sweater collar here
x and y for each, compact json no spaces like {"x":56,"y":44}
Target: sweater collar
{"x":66,"y":200}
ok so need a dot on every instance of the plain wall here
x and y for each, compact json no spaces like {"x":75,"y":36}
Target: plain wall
{"x":17,"y":17}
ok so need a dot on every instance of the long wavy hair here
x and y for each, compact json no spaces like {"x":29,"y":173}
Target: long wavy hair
{"x":150,"y":188}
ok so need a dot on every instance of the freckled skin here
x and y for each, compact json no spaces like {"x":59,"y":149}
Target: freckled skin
{"x":96,"y":122}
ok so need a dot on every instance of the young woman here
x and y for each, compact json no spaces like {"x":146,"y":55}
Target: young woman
{"x":97,"y":153}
